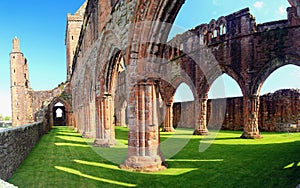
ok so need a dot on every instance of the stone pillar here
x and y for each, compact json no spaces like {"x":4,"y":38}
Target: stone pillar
{"x":251,"y":109}
{"x":105,"y":132}
{"x":143,"y":141}
{"x":168,"y":123}
{"x":201,"y":121}
{"x":86,"y":127}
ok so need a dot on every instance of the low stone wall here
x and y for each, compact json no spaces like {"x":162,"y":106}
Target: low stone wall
{"x":15,"y":145}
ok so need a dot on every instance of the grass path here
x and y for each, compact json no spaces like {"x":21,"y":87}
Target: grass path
{"x":63,"y":159}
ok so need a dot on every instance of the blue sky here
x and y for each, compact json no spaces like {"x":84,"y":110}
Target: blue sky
{"x":195,"y":12}
{"x":40,"y":26}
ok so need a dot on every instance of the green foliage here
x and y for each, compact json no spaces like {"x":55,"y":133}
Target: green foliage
{"x":6,"y":118}
{"x":63,"y":159}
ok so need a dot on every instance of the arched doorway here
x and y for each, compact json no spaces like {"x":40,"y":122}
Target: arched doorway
{"x":59,"y":114}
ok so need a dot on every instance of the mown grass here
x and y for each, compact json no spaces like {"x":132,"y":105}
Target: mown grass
{"x":63,"y":159}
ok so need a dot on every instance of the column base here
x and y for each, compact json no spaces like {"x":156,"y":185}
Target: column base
{"x":104,"y":143}
{"x":201,"y":132}
{"x":143,"y":164}
{"x":86,"y":135}
{"x":251,"y":135}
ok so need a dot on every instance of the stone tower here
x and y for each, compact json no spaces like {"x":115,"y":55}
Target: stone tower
{"x":74,"y":25}
{"x":19,"y":84}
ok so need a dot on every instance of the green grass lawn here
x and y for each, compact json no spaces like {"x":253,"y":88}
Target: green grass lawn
{"x":63,"y":159}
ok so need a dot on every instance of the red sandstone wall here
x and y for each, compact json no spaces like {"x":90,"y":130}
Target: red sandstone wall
{"x":184,"y":114}
{"x":279,"y":111}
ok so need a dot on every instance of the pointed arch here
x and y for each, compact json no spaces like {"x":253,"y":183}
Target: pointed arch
{"x":285,"y":77}
{"x":183,"y":88}
{"x":219,"y":88}
{"x":271,"y":67}
{"x":65,"y":107}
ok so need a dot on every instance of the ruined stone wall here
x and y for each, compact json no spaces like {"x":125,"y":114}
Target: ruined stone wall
{"x":39,"y":99}
{"x":184,"y":115}
{"x":278,"y":112}
{"x":229,"y":119}
{"x":15,"y":145}
{"x":104,"y":34}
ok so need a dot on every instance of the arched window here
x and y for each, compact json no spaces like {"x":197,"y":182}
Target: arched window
{"x":222,"y":29}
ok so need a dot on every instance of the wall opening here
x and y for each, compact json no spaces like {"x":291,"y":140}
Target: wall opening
{"x":280,"y":100}
{"x":224,"y":87}
{"x":184,"y":107}
{"x":225,"y":104}
{"x":59,"y":114}
{"x":286,"y":77}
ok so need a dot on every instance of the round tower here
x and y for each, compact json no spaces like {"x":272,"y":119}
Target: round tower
{"x":19,"y":84}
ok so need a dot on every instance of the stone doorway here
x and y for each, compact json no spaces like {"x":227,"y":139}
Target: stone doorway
{"x":59,"y":114}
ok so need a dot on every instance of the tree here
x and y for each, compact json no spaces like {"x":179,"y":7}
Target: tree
{"x":6,"y":118}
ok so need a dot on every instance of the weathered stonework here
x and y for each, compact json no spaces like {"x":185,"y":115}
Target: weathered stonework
{"x":30,"y":106}
{"x":123,"y":64}
{"x":15,"y":145}
{"x":278,"y":112}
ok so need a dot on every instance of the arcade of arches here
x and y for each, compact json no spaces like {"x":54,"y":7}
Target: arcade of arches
{"x":125,"y":72}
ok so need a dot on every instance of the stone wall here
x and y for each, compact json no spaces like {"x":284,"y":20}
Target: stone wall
{"x":230,"y":119}
{"x":278,"y":112}
{"x":184,"y":114}
{"x":15,"y":145}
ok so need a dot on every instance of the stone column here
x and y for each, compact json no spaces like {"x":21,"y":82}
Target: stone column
{"x":201,"y":121}
{"x":105,"y":133}
{"x":168,"y":123}
{"x":143,"y":142}
{"x":86,"y":127}
{"x":251,"y":108}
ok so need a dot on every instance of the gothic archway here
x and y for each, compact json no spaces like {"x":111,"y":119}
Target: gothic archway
{"x":60,"y":112}
{"x":108,"y":103}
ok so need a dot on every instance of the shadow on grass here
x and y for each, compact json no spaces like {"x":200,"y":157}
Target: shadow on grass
{"x":223,"y":164}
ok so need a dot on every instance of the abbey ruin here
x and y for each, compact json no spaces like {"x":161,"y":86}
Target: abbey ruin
{"x":121,"y":70}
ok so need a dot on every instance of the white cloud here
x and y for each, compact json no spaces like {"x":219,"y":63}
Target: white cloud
{"x":281,"y":10}
{"x":258,"y":4}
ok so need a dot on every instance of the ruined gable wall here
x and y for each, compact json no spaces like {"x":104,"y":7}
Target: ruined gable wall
{"x":41,"y":99}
